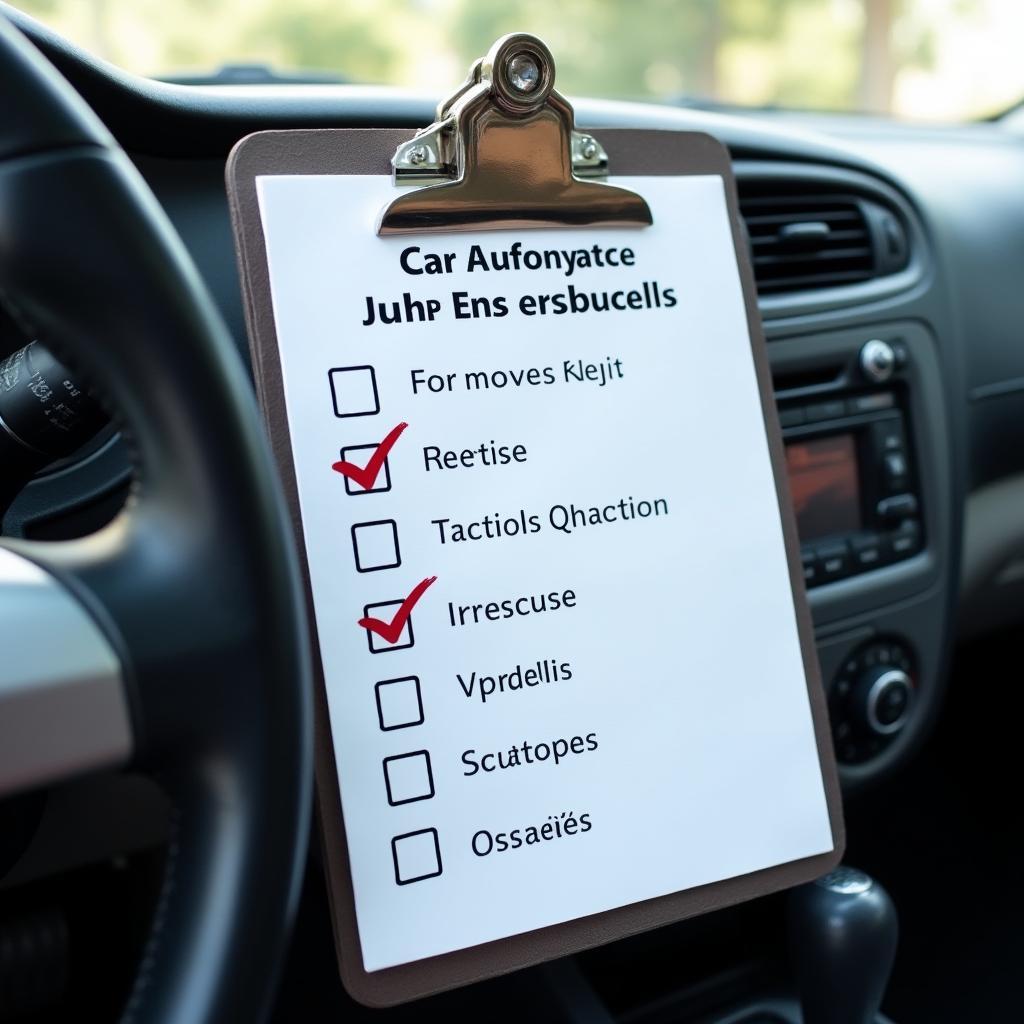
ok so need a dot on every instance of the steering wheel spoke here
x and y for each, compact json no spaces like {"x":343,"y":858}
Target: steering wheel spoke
{"x":136,"y":609}
{"x":63,"y":705}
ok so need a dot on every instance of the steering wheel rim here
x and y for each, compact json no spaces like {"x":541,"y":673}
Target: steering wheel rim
{"x":195,"y":586}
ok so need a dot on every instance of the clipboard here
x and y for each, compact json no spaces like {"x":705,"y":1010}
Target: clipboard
{"x":503,"y":155}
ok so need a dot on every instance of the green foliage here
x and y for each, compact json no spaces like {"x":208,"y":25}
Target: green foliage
{"x":801,"y":53}
{"x":661,"y":48}
{"x":604,"y":49}
{"x":317,"y":34}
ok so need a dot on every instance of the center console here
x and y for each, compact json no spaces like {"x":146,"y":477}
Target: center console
{"x":851,"y":466}
{"x":862,"y":419}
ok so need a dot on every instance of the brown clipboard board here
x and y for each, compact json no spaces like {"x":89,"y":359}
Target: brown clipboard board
{"x":629,"y":152}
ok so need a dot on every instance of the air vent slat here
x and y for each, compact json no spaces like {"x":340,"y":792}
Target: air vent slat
{"x":839,"y":250}
{"x":801,"y":257}
{"x":807,"y":281}
{"x":835,"y":236}
{"x":832,"y":216}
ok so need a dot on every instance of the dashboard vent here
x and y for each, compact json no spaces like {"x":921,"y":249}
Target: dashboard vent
{"x":810,"y":237}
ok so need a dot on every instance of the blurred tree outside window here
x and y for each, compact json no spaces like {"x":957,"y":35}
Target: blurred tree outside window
{"x":936,"y":59}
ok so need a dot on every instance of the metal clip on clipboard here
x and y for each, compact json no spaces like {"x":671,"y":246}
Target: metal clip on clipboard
{"x":505,"y":153}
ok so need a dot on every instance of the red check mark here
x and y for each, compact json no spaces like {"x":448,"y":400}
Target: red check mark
{"x":366,"y":475}
{"x":392,"y":630}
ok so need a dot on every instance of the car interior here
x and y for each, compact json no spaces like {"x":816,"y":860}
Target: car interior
{"x":160,"y":856}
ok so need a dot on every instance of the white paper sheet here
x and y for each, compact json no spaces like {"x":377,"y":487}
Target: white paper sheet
{"x":632,"y":481}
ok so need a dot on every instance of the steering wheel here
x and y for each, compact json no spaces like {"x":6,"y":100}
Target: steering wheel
{"x":174,"y":639}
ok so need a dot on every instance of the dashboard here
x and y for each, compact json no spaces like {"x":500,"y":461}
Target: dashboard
{"x":888,"y":259}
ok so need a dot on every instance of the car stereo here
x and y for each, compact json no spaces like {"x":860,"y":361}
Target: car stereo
{"x":853,"y":485}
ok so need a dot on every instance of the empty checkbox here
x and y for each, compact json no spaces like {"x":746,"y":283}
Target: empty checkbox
{"x":375,"y":545}
{"x":354,"y":391}
{"x":408,"y":777}
{"x":417,"y":855}
{"x":399,"y":703}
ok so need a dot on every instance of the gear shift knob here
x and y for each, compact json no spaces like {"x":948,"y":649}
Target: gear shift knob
{"x":843,"y":931}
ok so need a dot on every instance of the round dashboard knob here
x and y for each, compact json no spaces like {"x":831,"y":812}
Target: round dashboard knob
{"x":885,"y":695}
{"x":877,"y":360}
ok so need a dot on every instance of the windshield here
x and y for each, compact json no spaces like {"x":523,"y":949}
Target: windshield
{"x":935,"y":59}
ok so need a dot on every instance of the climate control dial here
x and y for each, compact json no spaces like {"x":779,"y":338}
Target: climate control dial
{"x":883,"y":697}
{"x":871,"y":700}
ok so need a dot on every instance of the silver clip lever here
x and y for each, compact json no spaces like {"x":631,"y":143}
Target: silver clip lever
{"x":503,"y":153}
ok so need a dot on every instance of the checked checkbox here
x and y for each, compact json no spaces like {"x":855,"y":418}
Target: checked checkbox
{"x":364,"y":475}
{"x":375,"y":545}
{"x":361,"y":453}
{"x":354,"y":391}
{"x":387,"y":610}
{"x":388,"y":624}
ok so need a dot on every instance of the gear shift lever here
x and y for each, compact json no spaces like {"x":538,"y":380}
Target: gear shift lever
{"x":843,"y":932}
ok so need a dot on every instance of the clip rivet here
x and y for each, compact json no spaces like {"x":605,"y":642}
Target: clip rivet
{"x":523,"y":72}
{"x":418,"y":154}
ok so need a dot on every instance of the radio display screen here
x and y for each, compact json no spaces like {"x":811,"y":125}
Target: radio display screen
{"x":825,"y":485}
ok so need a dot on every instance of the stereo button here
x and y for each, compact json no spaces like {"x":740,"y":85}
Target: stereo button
{"x":834,"y":560}
{"x":871,"y":403}
{"x":811,"y":568}
{"x":895,"y":470}
{"x":906,"y":540}
{"x":877,"y":360}
{"x":867,"y":551}
{"x":825,"y":411}
{"x":897,"y":507}
{"x":889,"y":435}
